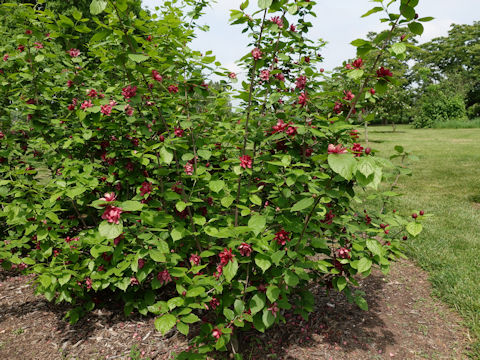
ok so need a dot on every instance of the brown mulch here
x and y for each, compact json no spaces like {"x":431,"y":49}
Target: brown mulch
{"x":403,"y":322}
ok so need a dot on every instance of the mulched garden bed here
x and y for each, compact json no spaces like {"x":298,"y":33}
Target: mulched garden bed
{"x":403,"y":322}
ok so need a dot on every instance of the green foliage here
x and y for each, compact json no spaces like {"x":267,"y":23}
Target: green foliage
{"x":435,"y":107}
{"x":455,"y":59}
{"x":124,"y":173}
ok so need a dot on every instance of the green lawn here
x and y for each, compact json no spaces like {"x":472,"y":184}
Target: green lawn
{"x":446,"y":183}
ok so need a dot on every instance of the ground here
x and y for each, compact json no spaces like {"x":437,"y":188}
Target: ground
{"x":403,"y":322}
{"x":446,"y":184}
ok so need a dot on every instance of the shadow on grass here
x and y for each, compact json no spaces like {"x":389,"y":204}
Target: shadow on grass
{"x":386,"y":132}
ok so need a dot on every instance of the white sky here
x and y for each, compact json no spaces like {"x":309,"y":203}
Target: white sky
{"x":338,"y":22}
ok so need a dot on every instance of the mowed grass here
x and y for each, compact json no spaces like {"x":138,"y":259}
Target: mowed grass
{"x":445,"y":183}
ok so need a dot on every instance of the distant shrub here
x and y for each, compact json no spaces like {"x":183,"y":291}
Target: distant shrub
{"x":436,"y":106}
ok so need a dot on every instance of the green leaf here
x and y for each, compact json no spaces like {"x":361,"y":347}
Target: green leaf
{"x":302,"y":204}
{"x":99,"y":249}
{"x":319,"y":243}
{"x":364,"y":264}
{"x":131,"y":205}
{"x":268,"y":318}
{"x":398,"y":48}
{"x":258,"y":323}
{"x":425,"y":19}
{"x":291,"y":279}
{"x":355,"y":74}
{"x":272,"y":293}
{"x":277,"y":256}
{"x":416,"y":28}
{"x":196,"y":291}
{"x":199,"y":220}
{"x":52,"y":216}
{"x":341,"y":283}
{"x":165,"y":323}
{"x":190,"y":319}
{"x":183,"y":328}
{"x":361,"y":303}
{"x":216,"y":185}
{"x":227,"y":201}
{"x":157,"y":255}
{"x":263,"y":262}
{"x":359,"y":42}
{"x":64,"y":20}
{"x":75,"y":191}
{"x":372,"y":11}
{"x":110,"y":230}
{"x":239,"y":306}
{"x":175,"y":302}
{"x":257,"y":303}
{"x":256,"y":199}
{"x":64,"y":279}
{"x":181,"y":205}
{"x":374,"y":246}
{"x":97,"y":6}
{"x":230,"y":270}
{"x":257,"y":223}
{"x":414,"y":228}
{"x":264,"y":4}
{"x":342,"y":164}
{"x":204,"y":154}
{"x":292,"y":9}
{"x":166,"y":155}
{"x":366,"y":166}
{"x":407,"y":11}
{"x":244,"y":5}
{"x":138,"y":58}
{"x":99,"y":36}
{"x":176,"y":234}
{"x":229,"y":314}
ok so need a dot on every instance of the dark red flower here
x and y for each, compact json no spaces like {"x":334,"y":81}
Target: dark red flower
{"x":282,"y":237}
{"x":172,"y":89}
{"x":112,"y":214}
{"x":357,"y":149}
{"x":358,"y":63}
{"x":245,"y":161}
{"x":129,"y":92}
{"x":195,"y":259}
{"x":382,"y":72}
{"x":291,"y":131}
{"x":343,"y":253}
{"x":301,"y":82}
{"x":348,"y":95}
{"x":226,"y":256}
{"x":214,"y":303}
{"x":245,"y":249}
{"x":257,"y":54}
{"x":74,"y":52}
{"x":164,"y":277}
{"x":179,"y":132}
{"x":146,"y":188}
{"x":216,"y":333}
{"x":156,"y":76}
{"x":336,"y":149}
{"x":302,"y":99}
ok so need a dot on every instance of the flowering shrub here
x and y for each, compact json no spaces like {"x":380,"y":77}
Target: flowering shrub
{"x":127,"y":178}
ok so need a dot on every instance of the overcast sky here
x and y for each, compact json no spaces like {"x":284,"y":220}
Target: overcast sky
{"x":338,"y":22}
